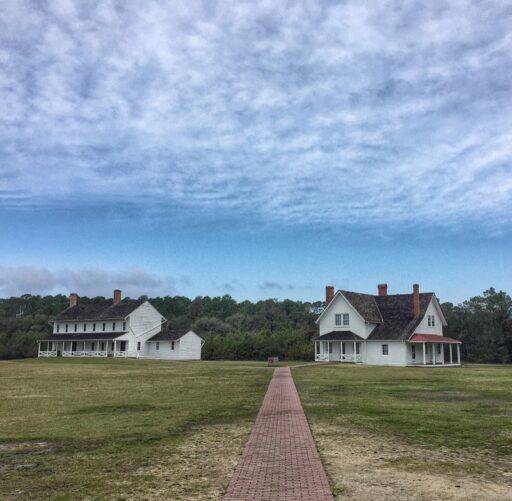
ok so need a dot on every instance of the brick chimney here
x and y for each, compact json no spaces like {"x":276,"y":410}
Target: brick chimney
{"x":117,"y":296}
{"x":73,"y":299}
{"x":416,"y":300}
{"x":329,"y":294}
{"x":383,"y":289}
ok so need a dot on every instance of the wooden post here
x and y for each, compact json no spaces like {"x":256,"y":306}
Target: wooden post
{"x":434,"y":353}
{"x":458,"y":354}
{"x":451,"y":354}
{"x":424,"y":353}
{"x":38,"y":349}
{"x":354,"y":351}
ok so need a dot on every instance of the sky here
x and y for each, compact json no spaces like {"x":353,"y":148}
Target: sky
{"x":257,"y":149}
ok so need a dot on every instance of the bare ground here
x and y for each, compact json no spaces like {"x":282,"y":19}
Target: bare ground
{"x":363,"y":466}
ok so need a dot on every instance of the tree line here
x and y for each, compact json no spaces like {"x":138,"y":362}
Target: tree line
{"x":256,"y":330}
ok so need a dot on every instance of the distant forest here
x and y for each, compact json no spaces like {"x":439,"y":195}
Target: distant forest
{"x":254,"y":331}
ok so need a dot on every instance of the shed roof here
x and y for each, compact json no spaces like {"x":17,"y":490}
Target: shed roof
{"x":83,"y":336}
{"x":339,"y":336}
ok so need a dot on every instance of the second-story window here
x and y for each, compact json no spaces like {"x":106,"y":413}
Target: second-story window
{"x":104,"y":325}
{"x":172,"y":345}
{"x":76,"y":327}
{"x":94,"y":327}
{"x":346,"y":319}
{"x":85,"y":327}
{"x":157,"y":345}
{"x":67,"y":327}
{"x":431,"y":320}
{"x":124,"y":326}
{"x":113,"y":326}
{"x":58,"y":327}
{"x":337,"y":319}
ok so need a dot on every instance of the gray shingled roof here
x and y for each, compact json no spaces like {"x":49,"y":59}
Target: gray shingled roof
{"x":397,"y":313}
{"x":105,"y":310}
{"x":365,"y":305}
{"x":339,"y":336}
{"x":82,"y":336}
{"x":168,"y":335}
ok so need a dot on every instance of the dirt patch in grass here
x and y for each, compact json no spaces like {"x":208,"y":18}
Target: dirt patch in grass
{"x":365,"y":466}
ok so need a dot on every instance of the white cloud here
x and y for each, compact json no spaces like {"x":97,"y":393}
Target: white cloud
{"x":134,"y":281}
{"x":300,"y":113}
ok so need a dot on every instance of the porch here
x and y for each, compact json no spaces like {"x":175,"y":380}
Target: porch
{"x":429,"y":350}
{"x":88,"y":348}
{"x":338,"y":351}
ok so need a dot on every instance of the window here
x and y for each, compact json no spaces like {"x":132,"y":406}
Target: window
{"x":345,"y":319}
{"x":104,"y":325}
{"x":337,"y":319}
{"x":67,"y":327}
{"x":385,"y":349}
{"x":172,"y":345}
{"x":94,"y":327}
{"x":138,"y":345}
{"x":157,"y":345}
{"x":413,"y":351}
{"x":50,"y":345}
{"x":113,"y":344}
{"x":124,"y":326}
{"x":439,"y":349}
{"x":76,"y":327}
{"x":93,"y":346}
{"x":58,"y":327}
{"x":73,"y":346}
{"x":113,"y":326}
{"x":343,"y":348}
{"x":123,"y":346}
{"x":103,"y":346}
{"x":85,"y":327}
{"x":330,"y":347}
{"x":357,"y":348}
{"x":431,"y":320}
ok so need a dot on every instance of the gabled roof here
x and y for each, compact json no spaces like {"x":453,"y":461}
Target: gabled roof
{"x":168,"y":335}
{"x":398,"y":314}
{"x":339,"y":336}
{"x":105,"y":310}
{"x":364,"y":304}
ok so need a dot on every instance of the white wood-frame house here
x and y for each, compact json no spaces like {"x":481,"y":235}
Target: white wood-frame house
{"x":397,"y":329}
{"x":117,"y":328}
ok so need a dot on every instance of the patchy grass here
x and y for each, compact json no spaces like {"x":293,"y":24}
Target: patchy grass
{"x":124,"y":429}
{"x":410,"y":433}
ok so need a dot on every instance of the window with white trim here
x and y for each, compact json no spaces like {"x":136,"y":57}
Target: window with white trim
{"x":431,"y":320}
{"x":346,"y":319}
{"x":67,"y":327}
{"x":337,"y":319}
{"x":172,"y":345}
{"x":385,"y":349}
{"x":58,"y":327}
{"x":330,"y":347}
{"x":158,"y":345}
{"x":94,"y":327}
{"x":138,"y":345}
{"x":439,"y":349}
{"x":113,"y":326}
{"x":76,"y":327}
{"x":85,"y":327}
{"x":124,"y":326}
{"x":413,"y":351}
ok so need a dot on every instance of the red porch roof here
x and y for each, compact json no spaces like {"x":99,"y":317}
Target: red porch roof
{"x":432,"y":338}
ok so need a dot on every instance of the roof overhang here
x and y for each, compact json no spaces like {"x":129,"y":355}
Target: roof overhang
{"x":432,"y":338}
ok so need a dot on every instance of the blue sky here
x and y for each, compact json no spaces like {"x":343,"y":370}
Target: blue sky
{"x":261,"y":149}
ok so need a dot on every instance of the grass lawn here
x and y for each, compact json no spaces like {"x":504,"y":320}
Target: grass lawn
{"x":124,"y":429}
{"x":411,"y":433}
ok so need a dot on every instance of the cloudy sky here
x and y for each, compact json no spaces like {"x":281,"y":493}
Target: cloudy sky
{"x":260,"y":149}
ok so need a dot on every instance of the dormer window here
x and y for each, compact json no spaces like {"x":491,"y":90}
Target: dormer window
{"x":431,"y":320}
{"x":346,"y":319}
{"x":337,"y":319}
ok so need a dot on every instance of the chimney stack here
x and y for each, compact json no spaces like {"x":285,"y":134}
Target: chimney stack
{"x":416,"y":300}
{"x":383,"y":289}
{"x":117,"y":296}
{"x":329,"y":294}
{"x":73,"y":299}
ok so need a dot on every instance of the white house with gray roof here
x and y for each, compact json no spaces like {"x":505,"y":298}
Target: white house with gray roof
{"x":117,"y":328}
{"x":395,"y":329}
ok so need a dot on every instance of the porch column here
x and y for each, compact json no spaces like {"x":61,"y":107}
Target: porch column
{"x":424,"y":353}
{"x":354,"y":348}
{"x":38,"y":349}
{"x":434,"y":353}
{"x":442,"y":352}
{"x":458,"y":354}
{"x":451,"y":354}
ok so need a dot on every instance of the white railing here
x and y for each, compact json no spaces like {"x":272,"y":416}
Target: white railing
{"x":321,"y":358}
{"x":351,"y":358}
{"x":50,"y":353}
{"x":84,"y":353}
{"x":121,"y":354}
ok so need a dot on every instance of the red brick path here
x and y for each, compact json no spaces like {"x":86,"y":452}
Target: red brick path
{"x":280,"y":461}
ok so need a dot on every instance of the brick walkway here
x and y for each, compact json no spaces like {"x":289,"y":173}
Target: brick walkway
{"x":280,"y":461}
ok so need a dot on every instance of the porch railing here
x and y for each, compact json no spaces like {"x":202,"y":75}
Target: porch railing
{"x":321,"y":357}
{"x":82,"y":353}
{"x":351,"y":358}
{"x":48,"y":353}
